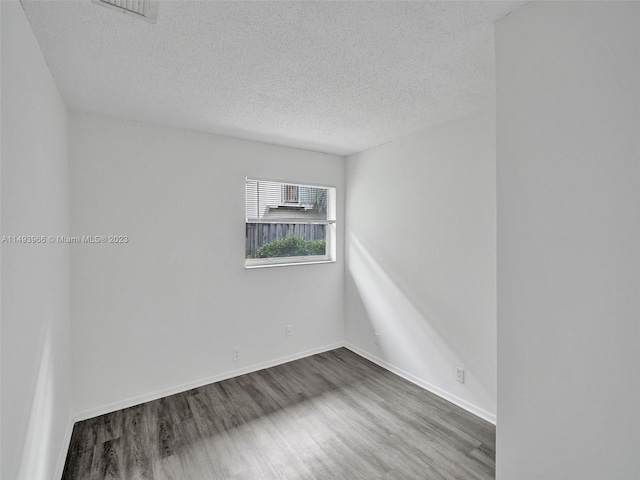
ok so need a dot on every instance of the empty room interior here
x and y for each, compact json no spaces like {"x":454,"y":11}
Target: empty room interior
{"x":317,"y":240}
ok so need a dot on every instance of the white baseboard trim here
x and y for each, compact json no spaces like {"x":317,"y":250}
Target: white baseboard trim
{"x":469,"y":407}
{"x":64,"y":449}
{"x":130,"y":402}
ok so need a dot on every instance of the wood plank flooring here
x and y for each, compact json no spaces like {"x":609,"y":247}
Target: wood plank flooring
{"x":334,"y":415}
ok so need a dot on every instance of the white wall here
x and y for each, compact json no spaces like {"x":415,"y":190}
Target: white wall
{"x":421,"y":258}
{"x":36,"y":381}
{"x":568,"y":96}
{"x":166,"y":309}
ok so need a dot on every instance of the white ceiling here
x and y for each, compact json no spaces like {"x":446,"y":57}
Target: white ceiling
{"x":337,"y":77}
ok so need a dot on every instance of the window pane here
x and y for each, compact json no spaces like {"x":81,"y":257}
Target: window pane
{"x":290,"y":194}
{"x":268,"y":240}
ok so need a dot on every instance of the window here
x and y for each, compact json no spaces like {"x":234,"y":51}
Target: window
{"x":289,"y":223}
{"x":290,"y":193}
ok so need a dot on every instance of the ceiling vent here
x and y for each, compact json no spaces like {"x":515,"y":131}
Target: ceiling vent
{"x":143,"y":9}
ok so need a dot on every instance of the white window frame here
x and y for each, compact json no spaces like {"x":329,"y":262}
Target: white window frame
{"x":330,"y":232}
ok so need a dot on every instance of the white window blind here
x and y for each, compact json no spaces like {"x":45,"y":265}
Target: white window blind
{"x":280,"y":202}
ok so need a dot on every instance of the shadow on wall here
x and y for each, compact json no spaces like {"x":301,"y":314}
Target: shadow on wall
{"x":37,"y":454}
{"x":409,"y":338}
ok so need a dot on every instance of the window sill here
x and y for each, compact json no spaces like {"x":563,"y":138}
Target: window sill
{"x":286,"y":264}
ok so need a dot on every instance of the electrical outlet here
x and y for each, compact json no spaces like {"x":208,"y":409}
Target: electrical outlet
{"x":288,"y":330}
{"x":376,"y":337}
{"x":460,"y":374}
{"x":235,"y":354}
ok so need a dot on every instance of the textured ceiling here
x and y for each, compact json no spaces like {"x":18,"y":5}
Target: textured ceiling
{"x":337,"y":77}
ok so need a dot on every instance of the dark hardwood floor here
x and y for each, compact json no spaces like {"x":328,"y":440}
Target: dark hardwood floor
{"x":334,"y":415}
